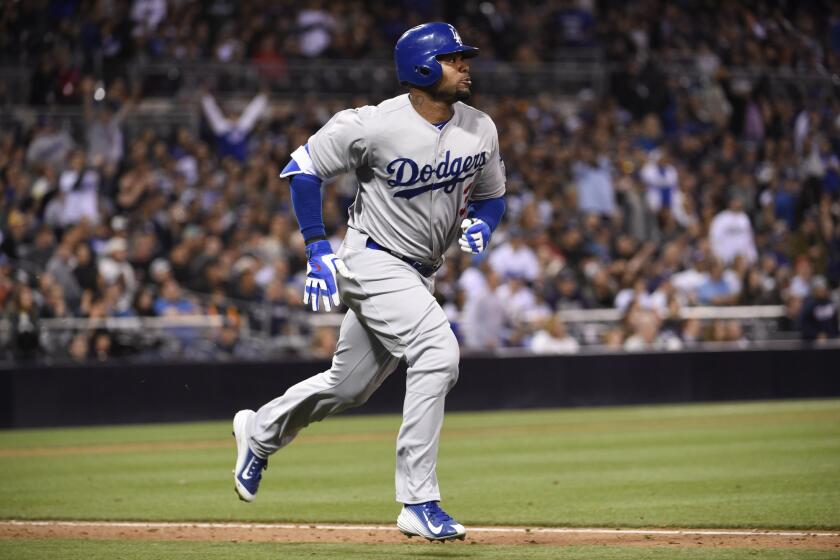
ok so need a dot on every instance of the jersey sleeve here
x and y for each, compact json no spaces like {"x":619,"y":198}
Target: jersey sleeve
{"x":300,"y":163}
{"x":340,"y":145}
{"x":491,"y":183}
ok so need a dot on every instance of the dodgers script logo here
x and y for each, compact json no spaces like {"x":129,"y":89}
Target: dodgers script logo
{"x":406,"y":172}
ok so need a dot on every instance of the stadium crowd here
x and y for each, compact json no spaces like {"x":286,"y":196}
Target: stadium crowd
{"x":661,"y":194}
{"x":65,"y":39}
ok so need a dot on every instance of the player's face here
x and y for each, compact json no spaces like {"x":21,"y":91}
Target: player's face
{"x":455,"y":84}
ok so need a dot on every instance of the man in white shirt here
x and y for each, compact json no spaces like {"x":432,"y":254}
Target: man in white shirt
{"x":515,"y":258}
{"x":553,"y":338}
{"x":731,"y":233}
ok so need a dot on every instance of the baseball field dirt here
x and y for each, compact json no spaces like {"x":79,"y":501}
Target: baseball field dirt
{"x":382,"y":534}
{"x":710,"y":482}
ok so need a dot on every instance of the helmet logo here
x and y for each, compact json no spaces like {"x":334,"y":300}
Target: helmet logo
{"x":456,"y":36}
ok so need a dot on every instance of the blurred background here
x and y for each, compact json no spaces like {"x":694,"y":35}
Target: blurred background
{"x":673,"y":174}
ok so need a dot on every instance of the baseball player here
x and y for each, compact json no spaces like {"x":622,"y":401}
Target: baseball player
{"x":429,"y":172}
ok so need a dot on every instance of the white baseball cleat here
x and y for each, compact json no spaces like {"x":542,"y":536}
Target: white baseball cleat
{"x":248,"y":470}
{"x":429,"y":521}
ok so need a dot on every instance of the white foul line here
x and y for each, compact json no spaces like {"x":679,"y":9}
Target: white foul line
{"x":337,"y":527}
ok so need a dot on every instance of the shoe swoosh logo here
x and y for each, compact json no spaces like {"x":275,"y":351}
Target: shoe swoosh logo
{"x":434,"y":529}
{"x":246,"y":473}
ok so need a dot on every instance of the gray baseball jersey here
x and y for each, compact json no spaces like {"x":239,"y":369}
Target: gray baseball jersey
{"x":415,"y":180}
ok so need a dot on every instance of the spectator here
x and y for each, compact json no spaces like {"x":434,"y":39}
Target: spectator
{"x":144,"y":303}
{"x":78,"y":199}
{"x":517,"y":299}
{"x":552,"y":338}
{"x":60,"y":267}
{"x":172,"y":301}
{"x":613,"y":339}
{"x":688,"y":281}
{"x":232,"y":132}
{"x":819,"y":313}
{"x":600,"y":289}
{"x":716,"y":290}
{"x":691,"y":333}
{"x":731,"y":234}
{"x":735,"y":333}
{"x":565,"y":293}
{"x":270,"y":63}
{"x":661,"y":180}
{"x":25,"y":324}
{"x":645,"y":334}
{"x":323,"y":343}
{"x":515,"y":258}
{"x":315,"y":26}
{"x":79,"y":349}
{"x":103,"y":122}
{"x":483,"y":325}
{"x":147,"y":15}
{"x":7,"y":285}
{"x":228,"y":47}
{"x":85,"y":269}
{"x":593,"y":177}
{"x":227,"y":343}
{"x":114,"y":266}
{"x":575,"y":23}
{"x":102,"y":346}
{"x":42,"y":249}
{"x":640,"y":296}
{"x":50,"y":146}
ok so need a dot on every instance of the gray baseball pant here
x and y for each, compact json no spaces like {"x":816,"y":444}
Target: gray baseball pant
{"x":393,"y":315}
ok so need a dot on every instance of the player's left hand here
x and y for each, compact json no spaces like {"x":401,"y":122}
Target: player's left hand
{"x":476,"y":236}
{"x":321,"y":268}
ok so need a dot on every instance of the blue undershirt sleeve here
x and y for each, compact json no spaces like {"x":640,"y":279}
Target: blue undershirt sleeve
{"x":489,"y":211}
{"x":306,"y":201}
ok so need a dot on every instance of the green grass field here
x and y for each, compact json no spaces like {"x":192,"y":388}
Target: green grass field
{"x":766,"y":465}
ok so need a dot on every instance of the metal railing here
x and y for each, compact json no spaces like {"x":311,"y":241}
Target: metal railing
{"x":375,"y":78}
{"x":195,"y":337}
{"x":573,"y":71}
{"x":702,"y":313}
{"x":161,"y":118}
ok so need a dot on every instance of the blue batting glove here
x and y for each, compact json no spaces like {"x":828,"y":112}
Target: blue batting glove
{"x":476,"y":236}
{"x":321,"y":268}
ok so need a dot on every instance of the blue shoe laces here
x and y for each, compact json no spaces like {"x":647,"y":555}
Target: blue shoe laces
{"x":437,"y":515}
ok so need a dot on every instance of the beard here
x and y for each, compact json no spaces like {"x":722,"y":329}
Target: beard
{"x":462,"y":94}
{"x":448,"y":95}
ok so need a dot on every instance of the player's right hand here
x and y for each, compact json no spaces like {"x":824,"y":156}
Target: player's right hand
{"x":321,"y":268}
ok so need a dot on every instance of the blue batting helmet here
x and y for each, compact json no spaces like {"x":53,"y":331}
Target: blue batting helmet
{"x":417,"y":49}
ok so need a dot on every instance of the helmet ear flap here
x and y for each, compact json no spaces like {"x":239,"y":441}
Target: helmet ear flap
{"x":427,"y":71}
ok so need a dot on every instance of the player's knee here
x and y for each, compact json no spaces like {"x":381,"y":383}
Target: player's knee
{"x":348,"y":397}
{"x":452,"y":358}
{"x":343,"y":393}
{"x":444,"y":361}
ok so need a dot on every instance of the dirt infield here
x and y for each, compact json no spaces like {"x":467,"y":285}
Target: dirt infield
{"x":373,"y":534}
